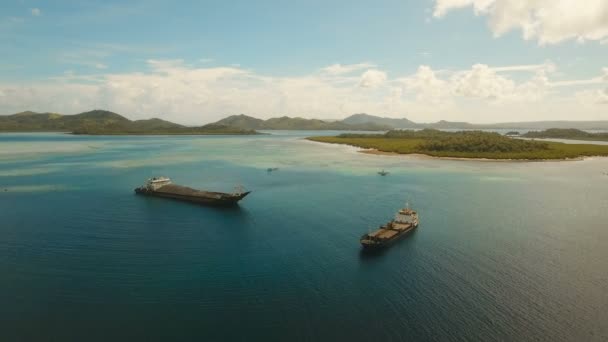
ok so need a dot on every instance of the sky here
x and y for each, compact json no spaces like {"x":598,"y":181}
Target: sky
{"x":194,"y":62}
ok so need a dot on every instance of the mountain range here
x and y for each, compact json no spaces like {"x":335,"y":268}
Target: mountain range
{"x":405,"y":123}
{"x":106,"y":122}
{"x":368,"y":122}
{"x":103,"y":122}
{"x":286,"y":123}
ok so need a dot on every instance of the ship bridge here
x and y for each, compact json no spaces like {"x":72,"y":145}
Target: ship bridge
{"x":156,"y":183}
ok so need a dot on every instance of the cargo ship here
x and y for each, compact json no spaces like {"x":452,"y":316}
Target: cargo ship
{"x":404,"y":222}
{"x":163,"y":187}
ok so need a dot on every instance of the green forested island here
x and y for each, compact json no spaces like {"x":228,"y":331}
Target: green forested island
{"x":102,"y":122}
{"x":465,"y":144}
{"x":570,"y":133}
{"x":287,"y":123}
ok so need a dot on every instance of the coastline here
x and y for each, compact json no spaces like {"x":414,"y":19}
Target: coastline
{"x":426,"y":156}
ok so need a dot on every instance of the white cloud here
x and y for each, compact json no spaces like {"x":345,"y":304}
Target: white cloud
{"x":176,"y":91}
{"x":593,"y":97}
{"x":483,"y":82}
{"x":341,"y":69}
{"x":36,"y":12}
{"x":491,"y":84}
{"x":372,"y":78}
{"x":548,"y":66}
{"x":547,"y":21}
{"x":426,"y":85}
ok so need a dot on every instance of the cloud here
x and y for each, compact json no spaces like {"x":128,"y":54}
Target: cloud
{"x":593,"y":97}
{"x":548,"y":66}
{"x":341,"y":69}
{"x":372,"y":78}
{"x":177,"y":91}
{"x":483,"y":82}
{"x":547,"y":21}
{"x":36,"y":12}
{"x":426,"y":85}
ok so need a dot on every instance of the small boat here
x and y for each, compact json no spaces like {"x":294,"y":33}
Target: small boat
{"x":271,"y":169}
{"x":383,"y":173}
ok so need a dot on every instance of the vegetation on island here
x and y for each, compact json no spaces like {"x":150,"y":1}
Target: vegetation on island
{"x":287,"y":123}
{"x":464,"y":144}
{"x":101,"y":122}
{"x":570,"y":133}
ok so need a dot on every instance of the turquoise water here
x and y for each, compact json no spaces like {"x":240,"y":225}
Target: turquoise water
{"x":505,"y":250}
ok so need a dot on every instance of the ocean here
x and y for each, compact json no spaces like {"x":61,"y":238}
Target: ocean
{"x":506,"y":251}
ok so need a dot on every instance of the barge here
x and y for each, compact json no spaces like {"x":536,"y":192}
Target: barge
{"x":404,"y":222}
{"x":163,"y":187}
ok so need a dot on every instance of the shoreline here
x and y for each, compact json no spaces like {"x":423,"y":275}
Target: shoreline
{"x":377,"y":152}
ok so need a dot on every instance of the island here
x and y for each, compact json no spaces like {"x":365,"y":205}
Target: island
{"x":464,"y":144}
{"x":570,"y":133}
{"x":286,"y":123}
{"x":103,"y":122}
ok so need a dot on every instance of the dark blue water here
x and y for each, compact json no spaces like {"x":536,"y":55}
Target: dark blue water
{"x":505,"y":251}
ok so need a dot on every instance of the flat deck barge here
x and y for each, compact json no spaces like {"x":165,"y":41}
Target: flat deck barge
{"x":163,"y":187}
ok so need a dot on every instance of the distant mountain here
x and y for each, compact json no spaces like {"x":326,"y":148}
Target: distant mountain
{"x":287,"y":123}
{"x":242,"y":121}
{"x":32,"y":121}
{"x":405,"y":123}
{"x":442,"y":124}
{"x":566,"y":133}
{"x":103,"y":122}
{"x":359,"y":119}
{"x":106,"y":122}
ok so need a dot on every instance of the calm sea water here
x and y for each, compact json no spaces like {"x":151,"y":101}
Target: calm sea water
{"x":505,"y":251}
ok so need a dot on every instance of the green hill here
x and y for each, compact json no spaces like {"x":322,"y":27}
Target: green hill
{"x":242,"y":121}
{"x":287,"y":123}
{"x":104,"y":122}
{"x":359,"y":119}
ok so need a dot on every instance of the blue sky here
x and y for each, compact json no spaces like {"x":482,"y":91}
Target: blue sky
{"x":427,"y":60}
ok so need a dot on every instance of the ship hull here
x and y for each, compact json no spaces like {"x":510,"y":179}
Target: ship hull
{"x":377,"y":245}
{"x":184,"y":194}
